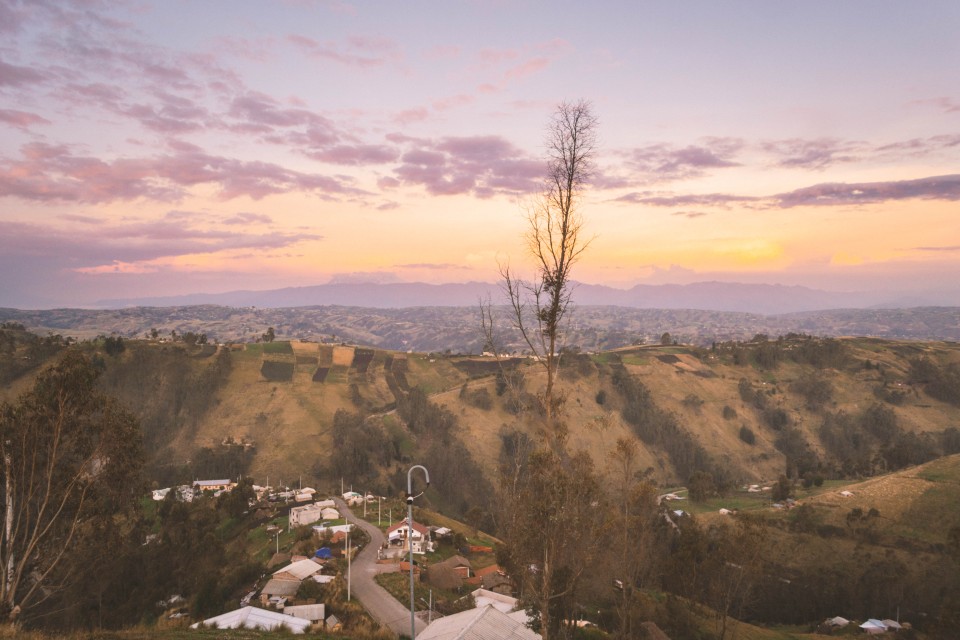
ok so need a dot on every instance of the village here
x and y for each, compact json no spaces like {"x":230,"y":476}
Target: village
{"x":290,"y":595}
{"x":459,"y":585}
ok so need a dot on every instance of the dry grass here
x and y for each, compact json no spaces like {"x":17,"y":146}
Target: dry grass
{"x":342,"y":356}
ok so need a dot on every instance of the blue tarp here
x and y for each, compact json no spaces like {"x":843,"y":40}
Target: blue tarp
{"x":323,"y":552}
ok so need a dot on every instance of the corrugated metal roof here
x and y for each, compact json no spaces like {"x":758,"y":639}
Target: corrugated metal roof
{"x":281,"y":588}
{"x":300,"y":569}
{"x":312,"y":612}
{"x":256,"y":618}
{"x":485,"y":623}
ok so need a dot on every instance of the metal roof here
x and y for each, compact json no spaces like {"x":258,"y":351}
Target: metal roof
{"x":486,"y":623}
{"x":253,"y":617}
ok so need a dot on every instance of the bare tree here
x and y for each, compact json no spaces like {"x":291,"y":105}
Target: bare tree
{"x":553,"y":513}
{"x":70,"y":460}
{"x":539,"y":306}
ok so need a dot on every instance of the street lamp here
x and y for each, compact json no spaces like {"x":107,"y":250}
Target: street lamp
{"x":410,"y":497}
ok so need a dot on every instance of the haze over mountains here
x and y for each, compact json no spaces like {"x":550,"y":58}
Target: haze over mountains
{"x":712,"y":296}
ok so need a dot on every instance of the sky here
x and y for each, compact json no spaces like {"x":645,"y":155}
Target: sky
{"x":165,"y":147}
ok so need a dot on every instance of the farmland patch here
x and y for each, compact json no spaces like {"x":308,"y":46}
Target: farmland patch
{"x":277,"y":371}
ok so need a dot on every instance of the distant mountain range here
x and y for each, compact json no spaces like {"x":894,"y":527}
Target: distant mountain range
{"x":707,"y":296}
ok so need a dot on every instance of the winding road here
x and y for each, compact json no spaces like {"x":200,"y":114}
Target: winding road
{"x":382,"y":606}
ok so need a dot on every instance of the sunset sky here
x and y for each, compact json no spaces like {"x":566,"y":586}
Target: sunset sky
{"x":161,"y":147}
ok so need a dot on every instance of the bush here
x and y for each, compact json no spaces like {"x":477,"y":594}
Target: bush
{"x":601,"y":397}
{"x":747,"y":435}
{"x":729,"y":413}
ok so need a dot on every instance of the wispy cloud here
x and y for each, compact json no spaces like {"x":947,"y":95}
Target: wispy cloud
{"x":948,"y":249}
{"x":53,"y":173}
{"x":358,"y":52}
{"x":832,"y":194}
{"x":483,"y":166}
{"x":689,"y":200}
{"x":818,"y":153}
{"x":21,"y":119}
{"x":98,"y":247}
{"x":664,"y":162}
{"x":12,"y":75}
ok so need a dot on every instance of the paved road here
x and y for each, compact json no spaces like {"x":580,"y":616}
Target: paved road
{"x":381,"y":605}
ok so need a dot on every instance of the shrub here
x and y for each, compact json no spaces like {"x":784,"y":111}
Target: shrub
{"x":747,"y":435}
{"x":729,"y":413}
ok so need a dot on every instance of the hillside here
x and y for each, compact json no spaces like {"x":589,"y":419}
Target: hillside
{"x":833,"y":414}
{"x":743,"y":411}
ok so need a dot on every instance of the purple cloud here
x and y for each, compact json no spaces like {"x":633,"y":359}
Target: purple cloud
{"x":832,"y":194}
{"x":336,"y":52}
{"x":105,"y":244}
{"x":248,"y":218}
{"x":695,"y":200}
{"x":355,"y":155}
{"x":812,"y":154}
{"x":663,"y":162}
{"x":17,"y":76}
{"x":21,"y":119}
{"x":483,"y":166}
{"x":51,"y":172}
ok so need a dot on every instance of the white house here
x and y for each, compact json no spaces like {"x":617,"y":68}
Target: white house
{"x":329,"y":513}
{"x":399,"y":534}
{"x":213,"y":485}
{"x":340,"y":528}
{"x":306,"y":514}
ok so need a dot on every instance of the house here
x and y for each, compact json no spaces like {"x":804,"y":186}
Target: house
{"x":493,"y":579}
{"x":213,"y":485}
{"x":325,"y":504}
{"x":311,"y":612}
{"x":160,"y":494}
{"x":484,"y":623}
{"x":306,"y":514}
{"x":276,"y":591}
{"x":400,"y":535}
{"x":353,"y":498}
{"x":329,"y":513}
{"x":298,"y":571}
{"x":254,"y":618}
{"x":320,"y":529}
{"x":498,"y":583}
{"x":482,"y":598}
{"x":460,"y":565}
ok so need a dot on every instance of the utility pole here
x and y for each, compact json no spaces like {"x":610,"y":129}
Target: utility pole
{"x":349,"y":558}
{"x":410,"y":498}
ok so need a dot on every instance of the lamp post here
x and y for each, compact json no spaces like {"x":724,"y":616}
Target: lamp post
{"x":410,"y":497}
